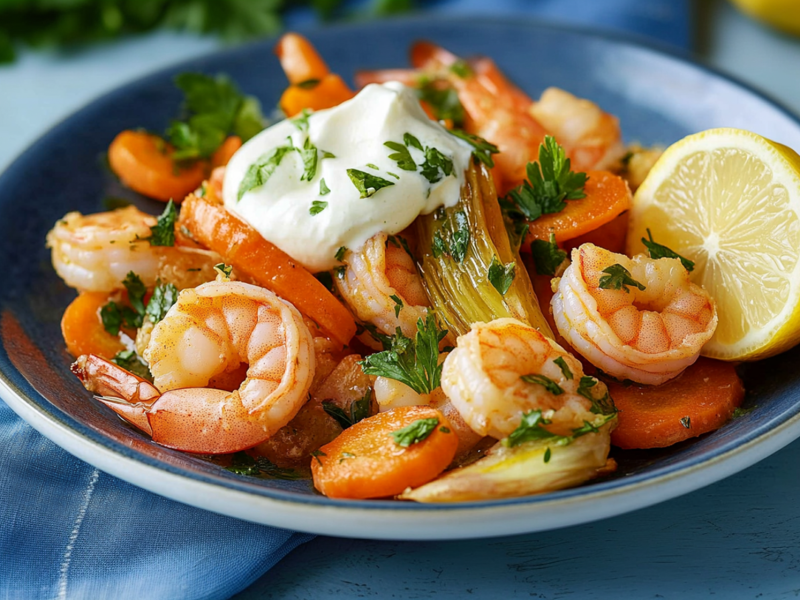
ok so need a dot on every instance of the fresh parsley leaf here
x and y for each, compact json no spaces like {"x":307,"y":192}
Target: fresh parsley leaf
{"x":136,"y":292}
{"x":444,"y":429}
{"x":414,"y":433}
{"x":301,"y":121}
{"x":459,"y":242}
{"x":550,"y":184}
{"x":317,"y":206}
{"x":163,"y":232}
{"x":163,"y":298}
{"x":443,"y":101}
{"x":482,"y":150}
{"x":373,"y":166}
{"x":130,"y":361}
{"x":249,"y":120}
{"x":324,"y":190}
{"x":340,"y":253}
{"x":661,"y":251}
{"x":618,"y":278}
{"x":412,"y":142}
{"x":562,"y":364}
{"x":501,"y":276}
{"x":367,"y":184}
{"x":600,"y":406}
{"x":336,"y":413}
{"x":547,"y":256}
{"x":436,"y":165}
{"x":111,"y":316}
{"x":584,"y":429}
{"x":260,"y":171}
{"x":530,"y":428}
{"x":547,"y":383}
{"x":401,"y":156}
{"x":309,"y":155}
{"x":224,"y":269}
{"x":413,"y":362}
{"x":359,"y":410}
{"x":398,"y":304}
{"x":547,"y":455}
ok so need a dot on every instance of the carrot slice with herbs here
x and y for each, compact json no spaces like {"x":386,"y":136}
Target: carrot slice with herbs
{"x":242,"y":247}
{"x":607,"y":196}
{"x":329,"y":92}
{"x":385,"y":454}
{"x":699,"y":400}
{"x":299,"y":59}
{"x":83,"y":329}
{"x":143,"y":162}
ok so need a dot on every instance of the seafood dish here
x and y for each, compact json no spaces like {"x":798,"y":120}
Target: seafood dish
{"x":430,"y":288}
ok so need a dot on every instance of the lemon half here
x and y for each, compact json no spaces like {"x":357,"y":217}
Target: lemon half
{"x":729,"y":200}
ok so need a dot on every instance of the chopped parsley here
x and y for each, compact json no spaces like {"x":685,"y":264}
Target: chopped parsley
{"x":398,"y":304}
{"x":547,"y":455}
{"x":317,"y":206}
{"x":373,"y":166}
{"x":359,"y":410}
{"x":547,"y":256}
{"x":740,"y":412}
{"x":163,"y":232}
{"x":414,"y":433}
{"x":550,"y":184}
{"x":501,"y":276}
{"x":367,"y":184}
{"x":600,"y":406}
{"x":213,"y":108}
{"x":452,"y":243}
{"x":618,"y":277}
{"x":412,"y":141}
{"x":324,"y":190}
{"x":436,"y":165}
{"x":660,"y":251}
{"x":562,"y":364}
{"x":413,"y":362}
{"x":224,"y":269}
{"x":461,"y":68}
{"x":340,"y":253}
{"x":482,"y":150}
{"x":260,"y":171}
{"x":244,"y":464}
{"x":130,"y":361}
{"x":401,"y":156}
{"x":531,"y":427}
{"x":547,"y":383}
{"x":163,"y":298}
{"x":443,"y":101}
{"x":309,"y":155}
{"x":316,"y":454}
{"x":301,"y":121}
{"x":136,"y":292}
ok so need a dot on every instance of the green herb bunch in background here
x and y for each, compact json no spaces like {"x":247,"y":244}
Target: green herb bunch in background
{"x":60,"y":23}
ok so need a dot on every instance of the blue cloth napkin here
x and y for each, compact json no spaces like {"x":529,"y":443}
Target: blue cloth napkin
{"x":68,"y":531}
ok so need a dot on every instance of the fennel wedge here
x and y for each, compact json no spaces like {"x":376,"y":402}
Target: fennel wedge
{"x":458,"y":247}
{"x":534,"y":467}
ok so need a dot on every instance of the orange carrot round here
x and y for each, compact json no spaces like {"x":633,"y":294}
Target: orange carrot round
{"x":299,"y":59}
{"x":366,"y":461}
{"x":607,"y":196}
{"x":330,"y":91}
{"x":243,"y":247}
{"x":699,"y":400}
{"x":142,"y":161}
{"x":611,"y":236}
{"x":225,"y":151}
{"x":83,"y":329}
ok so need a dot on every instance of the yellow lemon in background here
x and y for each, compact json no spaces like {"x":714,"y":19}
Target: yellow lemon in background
{"x":729,"y":200}
{"x":781,"y":14}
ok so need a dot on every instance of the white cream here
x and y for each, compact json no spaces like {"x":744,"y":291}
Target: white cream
{"x":354,"y":132}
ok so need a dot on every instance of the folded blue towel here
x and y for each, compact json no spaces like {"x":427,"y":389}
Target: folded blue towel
{"x":69,"y":531}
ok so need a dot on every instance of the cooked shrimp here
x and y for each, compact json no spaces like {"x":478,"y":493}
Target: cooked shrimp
{"x":376,"y":273}
{"x":591,"y":138}
{"x":95,"y":252}
{"x":211,"y":330}
{"x":482,"y":377}
{"x":648,"y":334}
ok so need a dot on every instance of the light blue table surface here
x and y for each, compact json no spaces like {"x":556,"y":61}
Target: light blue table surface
{"x":736,"y":539}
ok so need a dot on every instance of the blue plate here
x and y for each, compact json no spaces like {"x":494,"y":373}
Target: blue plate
{"x":659,"y":98}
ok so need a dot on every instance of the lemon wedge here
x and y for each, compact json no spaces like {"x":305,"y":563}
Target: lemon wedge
{"x":729,"y":200}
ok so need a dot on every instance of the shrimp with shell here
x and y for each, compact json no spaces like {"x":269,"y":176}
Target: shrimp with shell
{"x":648,"y":330}
{"x":211,"y":330}
{"x":95,"y":252}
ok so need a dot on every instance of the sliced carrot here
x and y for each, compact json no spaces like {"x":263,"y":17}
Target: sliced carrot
{"x":242,"y":247}
{"x":299,"y":59}
{"x":610,"y":236}
{"x":83,"y":329}
{"x":427,"y":55}
{"x":409,"y":77}
{"x":365,"y":461}
{"x":142,"y":161}
{"x":699,"y":400}
{"x":330,"y":91}
{"x":607,"y":196}
{"x":226,"y":150}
